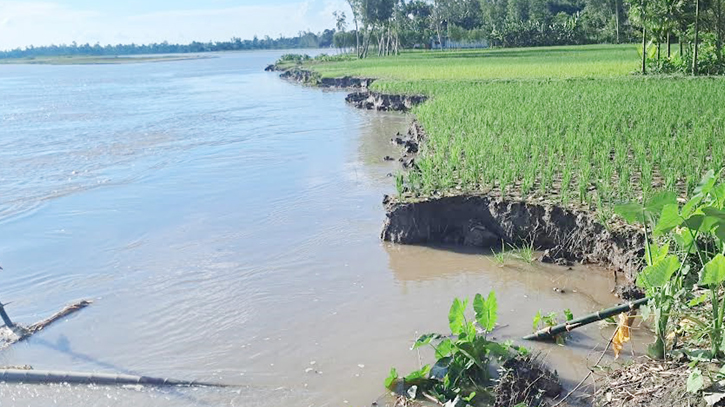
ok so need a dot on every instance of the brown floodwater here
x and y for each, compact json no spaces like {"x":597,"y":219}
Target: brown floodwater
{"x":226,"y":224}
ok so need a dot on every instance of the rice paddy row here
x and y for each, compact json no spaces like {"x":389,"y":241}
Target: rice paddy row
{"x":575,"y":135}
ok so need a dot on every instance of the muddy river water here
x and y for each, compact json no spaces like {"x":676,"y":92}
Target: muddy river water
{"x":226,"y":224}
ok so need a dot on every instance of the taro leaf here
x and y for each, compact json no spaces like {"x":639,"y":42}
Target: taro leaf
{"x":444,"y":349}
{"x":706,"y":183}
{"x":425,"y":340}
{"x":659,"y":273}
{"x":714,"y":212}
{"x":469,"y":331}
{"x":684,"y":240}
{"x":669,"y":219}
{"x":419,"y":374}
{"x":390,"y":380}
{"x":695,"y":382}
{"x":486,"y":311}
{"x":714,"y":271}
{"x":657,"y":202}
{"x":694,"y":222}
{"x":456,"y":319}
{"x":631,"y":212}
{"x":656,"y":253}
{"x":497,"y":349}
{"x":691,"y":205}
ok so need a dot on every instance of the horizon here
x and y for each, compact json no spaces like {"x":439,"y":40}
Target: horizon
{"x":41,"y":23}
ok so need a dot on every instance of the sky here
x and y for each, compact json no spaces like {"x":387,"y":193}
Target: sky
{"x":45,"y":22}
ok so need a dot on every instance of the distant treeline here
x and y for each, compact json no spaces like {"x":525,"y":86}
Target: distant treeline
{"x":303,"y":40}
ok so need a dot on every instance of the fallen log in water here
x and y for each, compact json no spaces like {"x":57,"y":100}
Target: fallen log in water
{"x":16,"y":333}
{"x":551,"y":331}
{"x":50,"y":376}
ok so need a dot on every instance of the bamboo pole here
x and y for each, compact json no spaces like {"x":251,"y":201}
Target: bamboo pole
{"x":52,"y":376}
{"x":551,"y":331}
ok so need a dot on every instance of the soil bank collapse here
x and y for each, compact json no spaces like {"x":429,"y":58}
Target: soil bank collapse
{"x":485,"y":221}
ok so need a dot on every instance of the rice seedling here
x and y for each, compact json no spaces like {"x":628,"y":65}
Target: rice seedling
{"x":568,"y":124}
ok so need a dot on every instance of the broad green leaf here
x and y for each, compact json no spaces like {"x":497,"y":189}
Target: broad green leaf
{"x":424,"y":340}
{"x":714,"y":212}
{"x":669,"y":219}
{"x":498,"y":350}
{"x":714,"y":271}
{"x":695,"y":381}
{"x":656,"y":253}
{"x":631,"y":212}
{"x":456,"y":319}
{"x":392,"y":377}
{"x":694,"y":222}
{"x":421,"y":373}
{"x":659,"y":273}
{"x":691,"y":205}
{"x":658,"y":201}
{"x":444,"y":349}
{"x":486,"y":311}
{"x":710,"y":223}
{"x":469,"y":331}
{"x":684,"y":240}
{"x":706,"y":183}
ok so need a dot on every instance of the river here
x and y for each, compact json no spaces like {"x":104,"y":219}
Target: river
{"x":225,"y":223}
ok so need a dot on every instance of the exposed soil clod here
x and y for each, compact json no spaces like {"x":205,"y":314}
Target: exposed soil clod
{"x":485,"y":221}
{"x":384,"y":102}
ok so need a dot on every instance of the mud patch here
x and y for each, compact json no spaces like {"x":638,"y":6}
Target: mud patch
{"x":485,"y":221}
{"x":384,"y":102}
{"x":525,"y":380}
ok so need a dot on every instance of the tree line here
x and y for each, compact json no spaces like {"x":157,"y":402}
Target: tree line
{"x":695,"y":25}
{"x":307,"y":39}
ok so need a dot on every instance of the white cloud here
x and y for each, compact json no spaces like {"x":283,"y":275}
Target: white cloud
{"x":24,"y":23}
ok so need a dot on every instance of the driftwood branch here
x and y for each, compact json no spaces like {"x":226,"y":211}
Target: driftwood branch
{"x":20,"y":333}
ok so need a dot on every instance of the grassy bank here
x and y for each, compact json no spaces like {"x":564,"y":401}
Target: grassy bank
{"x":96,"y":60}
{"x":571,"y":124}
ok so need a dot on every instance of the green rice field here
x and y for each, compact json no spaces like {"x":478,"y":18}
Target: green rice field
{"x":568,"y":124}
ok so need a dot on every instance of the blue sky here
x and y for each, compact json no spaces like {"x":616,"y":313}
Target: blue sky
{"x":43,"y":22}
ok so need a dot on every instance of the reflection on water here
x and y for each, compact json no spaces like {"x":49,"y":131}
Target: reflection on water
{"x":226,"y":223}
